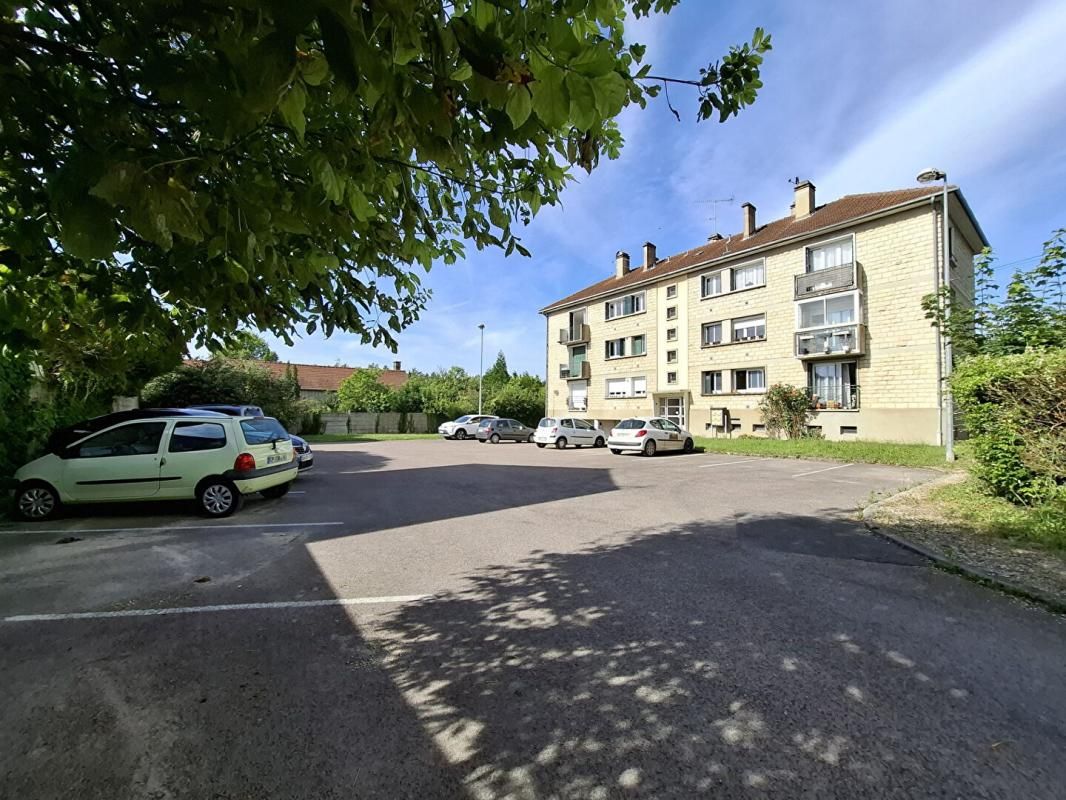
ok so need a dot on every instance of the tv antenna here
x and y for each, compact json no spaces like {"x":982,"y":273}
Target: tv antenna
{"x":714,"y":209}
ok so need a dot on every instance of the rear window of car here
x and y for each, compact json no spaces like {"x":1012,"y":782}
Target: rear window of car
{"x":263,"y":430}
{"x":484,"y":423}
{"x":547,"y":422}
{"x":191,"y":437}
{"x":631,"y":424}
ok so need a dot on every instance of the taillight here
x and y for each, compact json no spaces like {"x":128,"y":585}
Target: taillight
{"x":641,"y":432}
{"x":245,"y":462}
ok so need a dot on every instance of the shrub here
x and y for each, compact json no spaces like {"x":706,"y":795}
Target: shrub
{"x":520,"y":398}
{"x":1014,"y":408}
{"x":362,"y":391}
{"x":785,"y":410}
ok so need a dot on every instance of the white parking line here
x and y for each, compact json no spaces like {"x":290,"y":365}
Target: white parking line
{"x":156,"y":612}
{"x":174,"y":527}
{"x":728,"y":463}
{"x":827,"y":469}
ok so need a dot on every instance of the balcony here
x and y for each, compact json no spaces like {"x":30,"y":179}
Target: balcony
{"x":575,"y":371}
{"x":577,"y":334}
{"x":834,"y":396}
{"x":824,"y":281}
{"x":831,"y":342}
{"x":577,"y":404}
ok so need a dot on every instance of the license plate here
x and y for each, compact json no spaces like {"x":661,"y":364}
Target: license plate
{"x":276,"y":459}
{"x":305,"y":457}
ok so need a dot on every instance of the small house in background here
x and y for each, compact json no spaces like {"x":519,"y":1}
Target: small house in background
{"x":320,"y":383}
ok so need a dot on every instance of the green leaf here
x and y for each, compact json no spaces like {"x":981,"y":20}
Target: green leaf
{"x":611,"y":93}
{"x":582,"y":101}
{"x":315,"y":69}
{"x":292,"y":107}
{"x":86,"y":228}
{"x":462,"y":73}
{"x":338,"y":46}
{"x":359,"y":205}
{"x":551,"y":100}
{"x":594,"y":61}
{"x":323,"y":171}
{"x":519,"y":106}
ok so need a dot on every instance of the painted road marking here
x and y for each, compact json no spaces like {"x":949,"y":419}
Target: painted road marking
{"x":299,"y":492}
{"x":175,"y":527}
{"x":728,"y":463}
{"x":279,"y":605}
{"x":827,"y":469}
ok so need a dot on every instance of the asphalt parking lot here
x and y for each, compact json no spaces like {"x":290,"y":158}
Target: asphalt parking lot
{"x":451,"y":619}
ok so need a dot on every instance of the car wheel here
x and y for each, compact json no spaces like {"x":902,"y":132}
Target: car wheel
{"x":36,"y":501}
{"x":460,"y":434}
{"x":650,"y":448}
{"x":616,"y":451}
{"x":599,"y":442}
{"x":530,"y":439}
{"x":274,"y":492}
{"x":689,"y":446}
{"x":218,"y":497}
{"x":560,"y":443}
{"x":541,"y":446}
{"x":495,"y":438}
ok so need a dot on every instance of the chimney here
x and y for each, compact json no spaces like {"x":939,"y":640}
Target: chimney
{"x":621,"y":263}
{"x":649,"y":255}
{"x":396,"y":365}
{"x":804,"y":203}
{"x":749,"y":219}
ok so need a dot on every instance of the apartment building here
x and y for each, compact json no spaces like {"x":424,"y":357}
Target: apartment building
{"x":827,"y":298}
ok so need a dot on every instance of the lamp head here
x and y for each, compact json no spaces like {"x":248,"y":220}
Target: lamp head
{"x":930,"y":174}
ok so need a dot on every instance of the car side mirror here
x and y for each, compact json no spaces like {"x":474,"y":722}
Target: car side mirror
{"x":68,"y":452}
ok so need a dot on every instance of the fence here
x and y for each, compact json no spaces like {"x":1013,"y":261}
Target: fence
{"x":385,"y":422}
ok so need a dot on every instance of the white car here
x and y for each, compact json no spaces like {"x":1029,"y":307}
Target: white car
{"x":649,"y":435}
{"x":465,"y":427}
{"x":569,"y":430}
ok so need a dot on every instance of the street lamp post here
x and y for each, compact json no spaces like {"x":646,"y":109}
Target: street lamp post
{"x":947,"y":405}
{"x":481,"y":368}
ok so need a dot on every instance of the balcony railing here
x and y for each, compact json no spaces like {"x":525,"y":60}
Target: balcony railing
{"x":824,"y":281}
{"x":834,"y":395}
{"x":576,"y":334}
{"x":837,"y":340}
{"x":574,"y":371}
{"x":577,"y":404}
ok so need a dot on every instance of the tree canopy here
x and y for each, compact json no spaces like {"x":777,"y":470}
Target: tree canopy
{"x":246,"y":345}
{"x":172,"y":171}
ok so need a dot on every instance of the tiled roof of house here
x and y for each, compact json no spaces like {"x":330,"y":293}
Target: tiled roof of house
{"x":315,"y":377}
{"x":848,"y":208}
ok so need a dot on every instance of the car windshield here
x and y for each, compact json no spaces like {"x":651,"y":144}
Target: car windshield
{"x":464,"y":418}
{"x":631,"y":424}
{"x":485,"y":423}
{"x":547,"y":422}
{"x":263,"y":430}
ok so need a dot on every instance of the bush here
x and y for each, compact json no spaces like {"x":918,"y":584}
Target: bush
{"x":222,"y":381}
{"x":785,"y":410}
{"x":1014,"y":408}
{"x":520,"y":398}
{"x":363,"y":391}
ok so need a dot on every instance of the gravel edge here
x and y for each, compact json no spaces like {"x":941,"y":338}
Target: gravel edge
{"x":950,"y":564}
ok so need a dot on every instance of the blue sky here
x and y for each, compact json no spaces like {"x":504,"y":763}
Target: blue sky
{"x":858,"y":97}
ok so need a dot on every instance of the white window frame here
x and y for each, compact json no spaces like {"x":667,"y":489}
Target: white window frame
{"x":752,"y":321}
{"x":629,"y":387}
{"x":703,"y":382}
{"x":643,"y":345}
{"x":633,"y":385}
{"x":671,"y":334}
{"x":856,"y":305}
{"x":671,"y":356}
{"x":671,"y":312}
{"x":760,"y":264}
{"x":707,"y":276}
{"x":809,"y":249}
{"x":620,"y":302}
{"x":620,"y":342}
{"x":747,"y":380}
{"x":671,"y":377}
{"x":703,"y":338}
{"x":671,"y":291}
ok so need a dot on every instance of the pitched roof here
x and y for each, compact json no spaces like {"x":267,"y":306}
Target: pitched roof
{"x":849,"y":208}
{"x":315,"y":377}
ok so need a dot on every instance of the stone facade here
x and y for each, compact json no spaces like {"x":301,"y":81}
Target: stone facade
{"x":895,"y":359}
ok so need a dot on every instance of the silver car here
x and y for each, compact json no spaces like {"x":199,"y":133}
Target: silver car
{"x":463,"y":428}
{"x":569,"y":430}
{"x":649,"y":435}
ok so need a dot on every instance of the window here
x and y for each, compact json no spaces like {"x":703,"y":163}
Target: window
{"x":758,"y":427}
{"x":671,"y":356}
{"x":615,"y":348}
{"x":748,"y":276}
{"x":712,"y":333}
{"x":637,"y":346}
{"x":623,"y":306}
{"x":846,"y":430}
{"x":671,"y":291}
{"x":711,"y":285}
{"x":671,"y":334}
{"x":671,"y":312}
{"x":579,"y":392}
{"x":712,"y":382}
{"x":619,"y":348}
{"x":265,"y":430}
{"x":671,"y":377}
{"x":734,"y":425}
{"x":827,"y":256}
{"x":826,"y":311}
{"x":138,"y":439}
{"x":191,"y":437}
{"x":673,"y":408}
{"x":627,"y":387}
{"x":749,"y":328}
{"x":749,"y":380}
{"x":833,"y":385}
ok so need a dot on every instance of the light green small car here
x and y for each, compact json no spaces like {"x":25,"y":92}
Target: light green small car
{"x":159,"y":454}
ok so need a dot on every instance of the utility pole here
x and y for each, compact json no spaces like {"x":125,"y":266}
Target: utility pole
{"x":481,"y":368}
